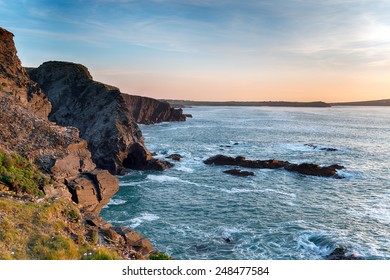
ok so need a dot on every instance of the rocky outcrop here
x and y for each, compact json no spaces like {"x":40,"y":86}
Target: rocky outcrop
{"x":304,"y":168}
{"x":56,"y":150}
{"x":176,"y":157}
{"x":321,"y":148}
{"x":240,"y":173}
{"x":340,"y":253}
{"x":147,"y":110}
{"x":59,"y":152}
{"x":14,"y":80}
{"x":92,"y":190}
{"x":102,"y":113}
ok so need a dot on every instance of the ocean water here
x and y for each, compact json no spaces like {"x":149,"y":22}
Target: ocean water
{"x":195,"y":211}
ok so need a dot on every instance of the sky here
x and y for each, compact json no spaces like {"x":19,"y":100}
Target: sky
{"x":253,"y":50}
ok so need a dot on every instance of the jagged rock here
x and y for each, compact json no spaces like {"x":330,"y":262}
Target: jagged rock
{"x":144,"y":247}
{"x":242,"y":161}
{"x":58,"y":151}
{"x":78,"y":160}
{"x":14,"y":81}
{"x":57,"y":190}
{"x":188,"y":115}
{"x":304,"y":168}
{"x":92,"y":190}
{"x":176,"y":157}
{"x":341,"y":253}
{"x":111,"y":236}
{"x":314,"y":170}
{"x":158,"y":164}
{"x":237,"y":172}
{"x":114,"y":138}
{"x":98,"y":222}
{"x":147,"y":110}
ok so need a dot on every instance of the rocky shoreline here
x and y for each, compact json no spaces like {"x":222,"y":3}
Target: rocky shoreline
{"x":80,"y":133}
{"x":303,"y":168}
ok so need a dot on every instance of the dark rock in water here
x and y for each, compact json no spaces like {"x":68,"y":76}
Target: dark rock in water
{"x":242,"y":161}
{"x":153,"y":154}
{"x":304,"y":168}
{"x":314,"y":170}
{"x":235,"y":144}
{"x":327,"y":149}
{"x":158,"y":164}
{"x":104,"y":115}
{"x":228,"y":240}
{"x":176,"y":157}
{"x":188,"y":115}
{"x":341,"y":253}
{"x":237,"y":172}
{"x":336,"y":166}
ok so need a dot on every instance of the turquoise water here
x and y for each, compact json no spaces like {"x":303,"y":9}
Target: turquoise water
{"x":195,"y":211}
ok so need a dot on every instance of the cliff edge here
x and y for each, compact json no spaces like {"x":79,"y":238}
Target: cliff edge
{"x":37,"y":153}
{"x":105,"y":116}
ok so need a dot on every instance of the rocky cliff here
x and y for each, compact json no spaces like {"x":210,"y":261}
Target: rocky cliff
{"x":104,"y":116}
{"x":147,"y":110}
{"x":59,"y":152}
{"x":15,"y":81}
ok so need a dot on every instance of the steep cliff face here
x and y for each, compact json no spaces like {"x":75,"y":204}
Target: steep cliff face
{"x":25,"y":129}
{"x":15,"y":81}
{"x":101,"y":112}
{"x":147,"y":110}
{"x":61,"y":154}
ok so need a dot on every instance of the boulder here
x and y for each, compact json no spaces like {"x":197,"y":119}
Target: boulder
{"x":341,"y":253}
{"x":158,"y":165}
{"x":92,"y":190}
{"x":237,"y":172}
{"x":57,"y":190}
{"x":176,"y":157}
{"x":314,"y":170}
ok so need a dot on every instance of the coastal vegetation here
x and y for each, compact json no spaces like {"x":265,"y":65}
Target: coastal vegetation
{"x":21,"y":176}
{"x":46,"y":230}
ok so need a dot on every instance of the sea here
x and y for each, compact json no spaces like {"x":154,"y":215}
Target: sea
{"x":194,"y":211}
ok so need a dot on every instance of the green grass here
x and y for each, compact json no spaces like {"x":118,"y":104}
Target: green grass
{"x":160,"y":256}
{"x":46,"y":231}
{"x":20,"y":175}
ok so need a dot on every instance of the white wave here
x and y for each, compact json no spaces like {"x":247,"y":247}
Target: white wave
{"x":145,"y":217}
{"x":185,"y":169}
{"x":322,"y":247}
{"x":116,"y":201}
{"x":163,"y":178}
{"x":235,"y":190}
{"x":167,"y":179}
{"x":282,"y":193}
{"x":297,"y":147}
{"x":130,"y":184}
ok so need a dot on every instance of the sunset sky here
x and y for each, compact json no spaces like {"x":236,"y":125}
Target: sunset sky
{"x":293,"y":50}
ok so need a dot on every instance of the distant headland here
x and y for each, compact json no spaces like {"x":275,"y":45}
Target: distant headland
{"x":316,"y":104}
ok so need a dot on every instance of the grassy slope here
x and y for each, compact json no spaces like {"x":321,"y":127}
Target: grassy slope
{"x":46,"y":230}
{"x":32,"y":228}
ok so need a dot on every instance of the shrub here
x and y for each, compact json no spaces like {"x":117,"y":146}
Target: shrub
{"x":20,"y":175}
{"x":159,"y":256}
